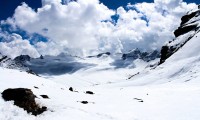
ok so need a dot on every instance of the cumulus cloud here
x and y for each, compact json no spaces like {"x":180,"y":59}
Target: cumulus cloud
{"x":17,"y":47}
{"x":72,"y":26}
{"x":85,"y":26}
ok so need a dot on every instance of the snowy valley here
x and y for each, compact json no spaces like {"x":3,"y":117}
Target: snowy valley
{"x":138,"y":85}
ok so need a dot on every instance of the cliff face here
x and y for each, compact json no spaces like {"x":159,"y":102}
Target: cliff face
{"x":189,"y":27}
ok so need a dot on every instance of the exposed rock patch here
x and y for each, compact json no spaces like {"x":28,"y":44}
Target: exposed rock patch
{"x":23,"y":98}
{"x":72,"y":89}
{"x":189,"y":23}
{"x":139,"y":100}
{"x":45,"y":96}
{"x":137,"y":54}
{"x":184,"y":29}
{"x":89,"y":92}
{"x":187,"y":17}
{"x":100,"y":55}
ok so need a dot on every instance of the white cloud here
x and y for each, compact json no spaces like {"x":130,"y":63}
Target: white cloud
{"x":73,"y":26}
{"x":77,"y":27}
{"x":46,"y":2}
{"x":17,"y":47}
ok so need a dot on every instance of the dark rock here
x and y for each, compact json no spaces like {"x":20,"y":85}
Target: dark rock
{"x":84,"y":102}
{"x":36,"y":87}
{"x":134,"y":75}
{"x":100,"y":55}
{"x":89,"y":92}
{"x":71,"y":89}
{"x":139,"y":100}
{"x":148,"y":56}
{"x":9,"y":63}
{"x":31,"y":72}
{"x":164,"y":54}
{"x":23,"y":98}
{"x":185,"y":29}
{"x":3,"y":58}
{"x":45,"y":96}
{"x":187,"y":17}
{"x":22,"y":58}
{"x":41,"y":57}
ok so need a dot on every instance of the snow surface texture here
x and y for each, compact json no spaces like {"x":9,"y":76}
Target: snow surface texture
{"x":170,"y":91}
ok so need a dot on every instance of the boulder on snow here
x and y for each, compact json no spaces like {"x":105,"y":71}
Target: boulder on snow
{"x":138,"y":99}
{"x":45,"y":96}
{"x":31,"y":72}
{"x":89,"y":92}
{"x":84,"y":102}
{"x":23,"y":98}
{"x":72,"y":89}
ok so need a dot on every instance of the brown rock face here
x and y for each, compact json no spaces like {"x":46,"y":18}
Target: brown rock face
{"x":23,"y":98}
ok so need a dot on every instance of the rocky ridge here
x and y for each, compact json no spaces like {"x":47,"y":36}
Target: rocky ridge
{"x":189,"y":27}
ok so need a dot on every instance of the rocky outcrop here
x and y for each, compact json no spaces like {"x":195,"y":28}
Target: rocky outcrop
{"x":100,"y":55}
{"x":184,"y":29}
{"x":18,"y":63}
{"x":187,"y":17}
{"x":23,"y":98}
{"x":9,"y":63}
{"x":188,"y":28}
{"x":3,"y":58}
{"x":137,"y":54}
{"x":22,"y":58}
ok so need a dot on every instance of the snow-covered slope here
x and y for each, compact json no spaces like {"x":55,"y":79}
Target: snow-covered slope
{"x":150,"y":102}
{"x":189,"y":29}
{"x":180,"y":57}
{"x":169,"y":91}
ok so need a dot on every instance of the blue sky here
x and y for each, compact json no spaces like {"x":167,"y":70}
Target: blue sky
{"x":7,"y":7}
{"x":113,"y":4}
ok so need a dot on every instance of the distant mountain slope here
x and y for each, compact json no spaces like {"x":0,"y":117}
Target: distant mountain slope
{"x":7,"y":62}
{"x":68,"y":64}
{"x":180,"y":58}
